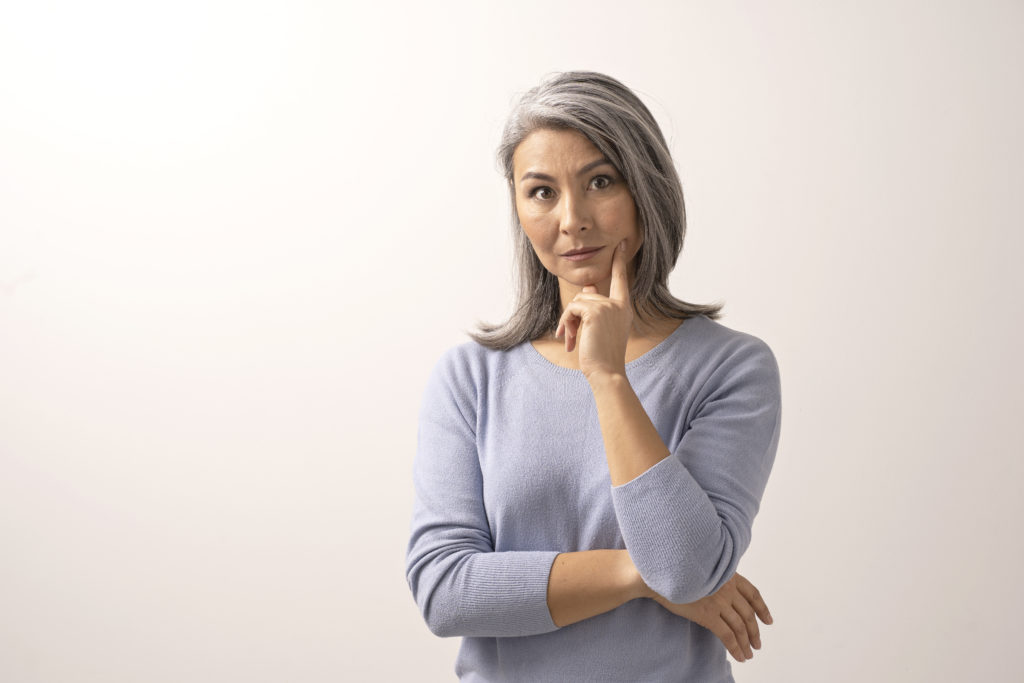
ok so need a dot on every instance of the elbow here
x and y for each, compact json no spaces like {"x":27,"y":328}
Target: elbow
{"x":436,"y":611}
{"x":686,"y":589}
{"x":441,"y":623}
{"x":682,"y":593}
{"x":695,"y":577}
{"x":438,"y":605}
{"x":683,"y":587}
{"x":437,"y":587}
{"x":443,"y":629}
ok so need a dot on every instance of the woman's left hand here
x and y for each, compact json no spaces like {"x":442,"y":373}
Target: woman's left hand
{"x":729,"y":614}
{"x":600,"y":325}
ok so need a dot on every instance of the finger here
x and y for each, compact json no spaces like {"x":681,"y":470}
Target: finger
{"x":746,"y":613}
{"x":589,"y":289}
{"x":619,"y":289}
{"x":571,"y":321}
{"x":560,"y":330}
{"x":569,"y":326}
{"x":563,"y":319}
{"x":753,"y":596}
{"x":760,"y":607}
{"x":572,"y":327}
{"x":589,"y":296}
{"x":728,"y":638}
{"x":739,"y":628}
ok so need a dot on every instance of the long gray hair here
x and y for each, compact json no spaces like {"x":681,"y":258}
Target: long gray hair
{"x":614,"y":119}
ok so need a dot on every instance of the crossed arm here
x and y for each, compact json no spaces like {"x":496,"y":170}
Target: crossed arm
{"x":457,"y":577}
{"x":591,"y":582}
{"x":584,"y":584}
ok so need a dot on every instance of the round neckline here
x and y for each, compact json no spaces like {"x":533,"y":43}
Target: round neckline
{"x":646,"y":358}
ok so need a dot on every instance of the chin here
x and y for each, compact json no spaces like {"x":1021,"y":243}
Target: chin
{"x":586,"y":276}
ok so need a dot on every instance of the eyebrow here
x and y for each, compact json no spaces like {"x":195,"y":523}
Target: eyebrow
{"x":544,"y":176}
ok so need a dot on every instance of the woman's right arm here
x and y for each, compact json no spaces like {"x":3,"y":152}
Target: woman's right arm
{"x":585,"y":584}
{"x":462,"y":586}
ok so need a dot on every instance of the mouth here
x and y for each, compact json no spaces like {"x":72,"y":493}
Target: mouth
{"x":580,"y":254}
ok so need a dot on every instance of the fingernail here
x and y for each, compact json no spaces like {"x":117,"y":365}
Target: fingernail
{"x":622,"y":245}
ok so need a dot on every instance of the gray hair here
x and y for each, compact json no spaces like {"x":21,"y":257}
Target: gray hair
{"x":615,"y":121}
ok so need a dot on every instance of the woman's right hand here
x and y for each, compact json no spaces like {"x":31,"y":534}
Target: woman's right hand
{"x":729,"y":614}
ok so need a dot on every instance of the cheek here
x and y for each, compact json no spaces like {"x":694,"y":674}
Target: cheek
{"x":638,"y":234}
{"x":537,"y":241}
{"x":629,"y":226}
{"x":531,"y":232}
{"x":623,"y":214}
{"x":536,"y":231}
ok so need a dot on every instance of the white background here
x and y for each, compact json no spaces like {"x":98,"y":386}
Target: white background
{"x":235,"y":238}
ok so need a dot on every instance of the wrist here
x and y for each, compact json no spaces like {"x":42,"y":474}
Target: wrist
{"x":604,"y":380}
{"x":636,"y":587}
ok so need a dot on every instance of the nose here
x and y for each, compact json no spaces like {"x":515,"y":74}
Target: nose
{"x":574,"y":217}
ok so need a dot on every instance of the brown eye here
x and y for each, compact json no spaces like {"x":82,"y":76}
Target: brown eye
{"x":600,"y":182}
{"x":542,"y":192}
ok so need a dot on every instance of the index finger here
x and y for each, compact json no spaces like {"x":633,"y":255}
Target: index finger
{"x":619,"y":289}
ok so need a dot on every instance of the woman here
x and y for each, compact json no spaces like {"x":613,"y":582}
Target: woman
{"x":587,"y":473}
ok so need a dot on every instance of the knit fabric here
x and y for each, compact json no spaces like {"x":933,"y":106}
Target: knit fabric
{"x":510,"y":471}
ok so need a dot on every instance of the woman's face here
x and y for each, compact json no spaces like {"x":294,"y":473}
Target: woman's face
{"x":569,"y":197}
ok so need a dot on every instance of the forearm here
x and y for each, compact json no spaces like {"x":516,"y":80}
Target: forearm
{"x":686,"y":516}
{"x":631,"y":443}
{"x":672,"y":530}
{"x":591,"y":582}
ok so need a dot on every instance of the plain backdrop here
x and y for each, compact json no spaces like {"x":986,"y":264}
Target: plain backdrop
{"x":235,"y":237}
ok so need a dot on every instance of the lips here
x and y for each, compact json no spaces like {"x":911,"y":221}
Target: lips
{"x":584,"y":250}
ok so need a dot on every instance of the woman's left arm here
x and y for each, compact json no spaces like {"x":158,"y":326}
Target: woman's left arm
{"x":686,"y":515}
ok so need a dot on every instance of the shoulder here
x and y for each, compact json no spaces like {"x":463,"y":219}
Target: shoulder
{"x":713,"y":341}
{"x":460,"y":378}
{"x":466,"y":369}
{"x":712,"y":336}
{"x":471,"y":361}
{"x":728,"y":357}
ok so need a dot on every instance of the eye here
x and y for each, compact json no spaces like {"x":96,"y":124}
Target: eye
{"x":542,"y":192}
{"x":600,"y":182}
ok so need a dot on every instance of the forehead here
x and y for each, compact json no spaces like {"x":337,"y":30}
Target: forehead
{"x":553,"y":150}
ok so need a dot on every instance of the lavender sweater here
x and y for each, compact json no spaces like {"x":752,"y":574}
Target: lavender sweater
{"x":510,"y":471}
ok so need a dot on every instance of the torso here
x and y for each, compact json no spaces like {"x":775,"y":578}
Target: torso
{"x":638,"y":344}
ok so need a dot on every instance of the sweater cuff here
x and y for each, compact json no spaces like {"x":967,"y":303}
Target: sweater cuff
{"x":519,"y":586}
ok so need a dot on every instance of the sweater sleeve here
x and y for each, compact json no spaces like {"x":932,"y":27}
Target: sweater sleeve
{"x":687,"y":520}
{"x":461,"y":585}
